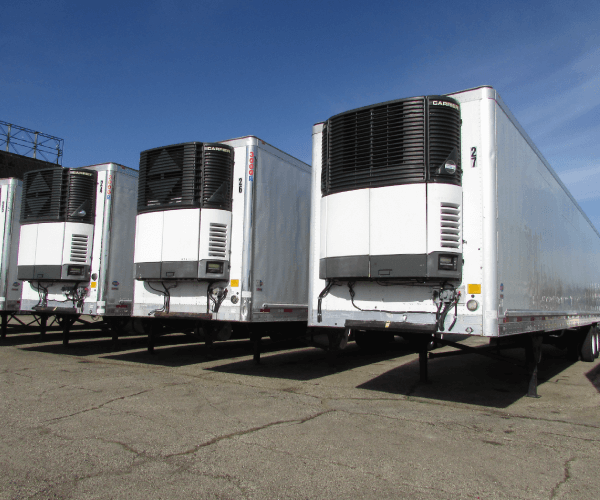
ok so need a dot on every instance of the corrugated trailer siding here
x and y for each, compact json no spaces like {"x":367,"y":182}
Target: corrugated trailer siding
{"x":281,"y":231}
{"x":548,"y":253}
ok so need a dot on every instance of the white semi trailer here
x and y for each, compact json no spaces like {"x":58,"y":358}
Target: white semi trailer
{"x":221,"y":245}
{"x":10,"y":289}
{"x":76,"y":244}
{"x":438,"y":214}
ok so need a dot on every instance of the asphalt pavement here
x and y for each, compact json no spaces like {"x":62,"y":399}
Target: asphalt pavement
{"x":97,"y":421}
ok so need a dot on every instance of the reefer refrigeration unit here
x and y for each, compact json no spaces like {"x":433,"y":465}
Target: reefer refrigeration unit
{"x":221,"y":238}
{"x":10,"y":288}
{"x":76,"y":246}
{"x":438,"y":213}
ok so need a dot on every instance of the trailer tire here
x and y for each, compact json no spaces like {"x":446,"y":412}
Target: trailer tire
{"x":588,"y":346}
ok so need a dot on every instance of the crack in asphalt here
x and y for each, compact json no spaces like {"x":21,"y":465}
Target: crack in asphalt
{"x":318,"y":460}
{"x":93,"y":408}
{"x":566,"y":477}
{"x":235,"y":481}
{"x":589,"y":440}
{"x":247,"y":431}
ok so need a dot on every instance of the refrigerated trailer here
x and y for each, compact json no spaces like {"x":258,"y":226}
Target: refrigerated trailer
{"x":438,"y":214}
{"x":221,"y":245}
{"x":76,"y":244}
{"x":10,"y":288}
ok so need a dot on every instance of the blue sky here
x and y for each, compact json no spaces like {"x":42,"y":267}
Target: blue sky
{"x":115,"y":78}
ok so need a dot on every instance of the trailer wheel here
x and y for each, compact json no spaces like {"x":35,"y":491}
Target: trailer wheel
{"x":596,"y":342}
{"x":589,"y":345}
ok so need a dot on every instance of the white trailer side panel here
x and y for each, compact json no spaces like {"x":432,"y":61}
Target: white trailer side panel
{"x":281,"y":236}
{"x":548,"y":250}
{"x":10,"y":202}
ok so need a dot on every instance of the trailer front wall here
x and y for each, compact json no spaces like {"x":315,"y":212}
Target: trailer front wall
{"x":189,"y":297}
{"x":411,"y":304}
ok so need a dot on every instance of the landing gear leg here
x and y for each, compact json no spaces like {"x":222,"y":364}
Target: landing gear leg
{"x":151,"y":328}
{"x":423,"y":365}
{"x":533,"y":351}
{"x":257,"y":344}
{"x":43,"y":324}
{"x":67,"y":323}
{"x":4,"y":324}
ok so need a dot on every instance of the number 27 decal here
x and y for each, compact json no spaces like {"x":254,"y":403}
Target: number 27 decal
{"x":473,"y":157}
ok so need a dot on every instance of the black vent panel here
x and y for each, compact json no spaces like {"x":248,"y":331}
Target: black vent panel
{"x":324,"y":160}
{"x":381,"y":145}
{"x":188,"y":175}
{"x":388,"y":144}
{"x":444,"y":138}
{"x":59,"y":195}
{"x":167,"y":177}
{"x":80,"y":202}
{"x":217,"y":177}
{"x":42,"y":191}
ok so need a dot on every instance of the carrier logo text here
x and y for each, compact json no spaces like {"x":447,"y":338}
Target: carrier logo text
{"x":216,"y":148}
{"x":445,"y":103}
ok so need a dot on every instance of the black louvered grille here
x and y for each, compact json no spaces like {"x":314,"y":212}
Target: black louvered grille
{"x":389,"y":144}
{"x":80,"y":202}
{"x":444,"y":137}
{"x":167,"y":177}
{"x":42,"y":196}
{"x":382,"y":145}
{"x":59,"y":195}
{"x":324,"y":159}
{"x":189,"y":175}
{"x":217,"y":176}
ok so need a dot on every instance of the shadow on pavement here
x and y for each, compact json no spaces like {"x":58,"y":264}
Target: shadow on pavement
{"x":182,"y":350}
{"x":33,"y":337}
{"x":309,"y":363}
{"x":471,"y":378}
{"x":82,"y":343}
{"x":594,"y":377}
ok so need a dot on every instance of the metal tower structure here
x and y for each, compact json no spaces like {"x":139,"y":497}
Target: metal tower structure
{"x":27,"y":142}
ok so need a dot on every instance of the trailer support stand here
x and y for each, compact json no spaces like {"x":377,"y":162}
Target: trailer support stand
{"x":533,"y":350}
{"x":150,"y":327}
{"x":333,"y":348}
{"x":4,"y":324}
{"x":208,"y":343}
{"x":43,"y":324}
{"x":256,"y":342}
{"x":116,"y":326}
{"x":67,"y":323}
{"x":423,"y":364}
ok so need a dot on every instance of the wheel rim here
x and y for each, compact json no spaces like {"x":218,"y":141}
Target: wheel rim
{"x":596,"y":344}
